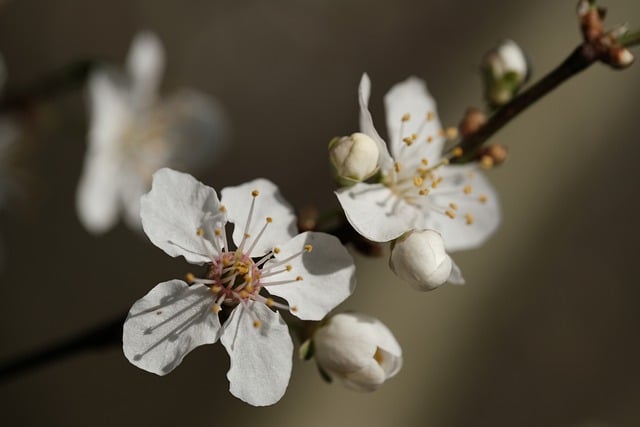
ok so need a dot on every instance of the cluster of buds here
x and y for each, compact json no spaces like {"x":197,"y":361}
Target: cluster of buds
{"x":606,"y":45}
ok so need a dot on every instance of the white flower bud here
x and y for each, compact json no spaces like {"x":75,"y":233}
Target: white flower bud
{"x":505,"y":69}
{"x":355,"y":157}
{"x":358,"y":350}
{"x":419,"y":258}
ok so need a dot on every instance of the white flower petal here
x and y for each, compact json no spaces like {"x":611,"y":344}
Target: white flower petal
{"x":366,"y":122}
{"x":457,"y":234}
{"x":368,"y":378}
{"x":328,"y":275}
{"x":375,"y":213}
{"x":167,"y":323}
{"x":412,"y":97}
{"x":97,"y":198}
{"x":130,"y":195}
{"x":268,"y":204}
{"x":260,"y":357}
{"x":145,"y":64}
{"x":172,"y":212}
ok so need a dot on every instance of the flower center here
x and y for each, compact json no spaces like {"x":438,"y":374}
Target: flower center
{"x":413,"y":177}
{"x":236,"y":278}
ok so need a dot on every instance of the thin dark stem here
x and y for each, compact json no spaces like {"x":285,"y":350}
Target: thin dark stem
{"x":581,"y":58}
{"x":67,"y":78}
{"x":107,"y":334}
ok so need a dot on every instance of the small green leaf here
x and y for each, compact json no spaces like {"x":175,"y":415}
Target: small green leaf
{"x":306,"y":350}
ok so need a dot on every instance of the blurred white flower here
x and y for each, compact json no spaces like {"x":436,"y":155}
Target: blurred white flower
{"x":133,"y":133}
{"x":418,"y":189}
{"x":418,"y":257}
{"x":312,"y":272}
{"x":357,"y":349}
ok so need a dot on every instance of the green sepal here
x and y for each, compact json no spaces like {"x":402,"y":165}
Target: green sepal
{"x":306,"y":350}
{"x":325,"y":376}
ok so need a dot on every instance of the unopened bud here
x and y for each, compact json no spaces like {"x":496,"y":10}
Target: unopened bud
{"x":354,"y":157}
{"x":473,"y":120}
{"x":590,"y":17}
{"x":357,"y":349}
{"x":497,"y":153}
{"x":619,"y":57}
{"x":418,"y":257}
{"x":505,"y":70}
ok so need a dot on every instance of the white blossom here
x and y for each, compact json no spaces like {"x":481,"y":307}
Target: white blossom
{"x":357,"y":349}
{"x":354,"y":157}
{"x":133,"y":133}
{"x":505,"y":70}
{"x":268,"y":267}
{"x":418,"y":257}
{"x":418,"y":189}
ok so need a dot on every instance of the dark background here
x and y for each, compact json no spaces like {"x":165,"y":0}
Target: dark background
{"x":545,"y":332}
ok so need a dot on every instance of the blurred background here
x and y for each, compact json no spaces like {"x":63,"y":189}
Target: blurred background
{"x":544,"y":333}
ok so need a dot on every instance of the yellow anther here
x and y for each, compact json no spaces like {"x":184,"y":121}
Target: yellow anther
{"x":441,"y":133}
{"x":288,"y":268}
{"x":453,"y":206}
{"x":407,"y":141}
{"x":217,"y":232}
{"x":255,"y":193}
{"x":396,"y":166}
{"x":424,"y":191}
{"x":269,"y":302}
{"x":469,"y":219}
{"x":215,"y":289}
{"x":269,"y":219}
{"x":483,"y":198}
{"x":308,"y":248}
{"x":467,"y":189}
{"x":244,"y":294}
{"x":457,"y":152}
{"x":418,"y":181}
{"x":298,"y":279}
{"x":434,"y":184}
{"x":444,"y":162}
{"x":430,"y":116}
{"x":486,"y":162}
{"x":293,"y":308}
{"x":222,"y":208}
{"x":216,"y":308}
{"x":247,"y":235}
{"x":257,"y":324}
{"x":199,"y":231}
{"x":451,"y":214}
{"x":189,"y":277}
{"x":406,"y":117}
{"x":425,"y":162}
{"x":276,"y":250}
{"x":429,"y":139}
{"x":249,"y":288}
{"x":452,"y":132}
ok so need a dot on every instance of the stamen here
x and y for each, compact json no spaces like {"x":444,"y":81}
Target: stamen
{"x":430,"y":116}
{"x":189,"y":277}
{"x":418,"y":181}
{"x":406,"y":117}
{"x":486,"y":162}
{"x":396,"y":166}
{"x":451,"y":214}
{"x":451,"y":132}
{"x":453,"y":206}
{"x":268,"y":221}
{"x":467,"y":189}
{"x":308,"y":248}
{"x":457,"y":152}
{"x":469,"y":218}
{"x":483,"y":198}
{"x":407,"y":141}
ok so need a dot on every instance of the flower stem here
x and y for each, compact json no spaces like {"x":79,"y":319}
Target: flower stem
{"x":105,"y":335}
{"x":64,"y":79}
{"x":580,"y":59}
